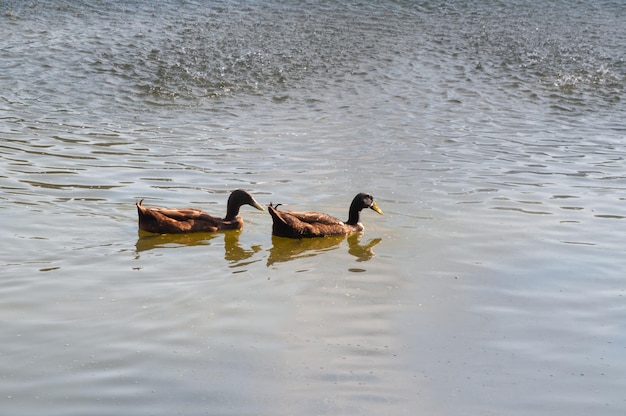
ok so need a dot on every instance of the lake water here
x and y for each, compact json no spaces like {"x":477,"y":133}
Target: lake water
{"x":491,"y":133}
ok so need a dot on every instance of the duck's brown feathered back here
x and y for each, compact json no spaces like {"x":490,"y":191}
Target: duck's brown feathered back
{"x":308,"y":224}
{"x":177,"y":220}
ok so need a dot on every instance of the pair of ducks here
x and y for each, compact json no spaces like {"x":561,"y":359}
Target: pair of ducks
{"x":285,"y":223}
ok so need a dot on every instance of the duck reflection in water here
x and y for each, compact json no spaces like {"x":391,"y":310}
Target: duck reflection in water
{"x":283,"y":249}
{"x":236,"y":255}
{"x":287,"y":249}
{"x":362,"y":252}
{"x":233,"y":252}
{"x":148,"y":241}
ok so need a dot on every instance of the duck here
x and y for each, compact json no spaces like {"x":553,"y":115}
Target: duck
{"x":191,"y":220}
{"x":316,"y":224}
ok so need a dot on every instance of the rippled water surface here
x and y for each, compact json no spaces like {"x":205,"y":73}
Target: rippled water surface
{"x":491,"y":134}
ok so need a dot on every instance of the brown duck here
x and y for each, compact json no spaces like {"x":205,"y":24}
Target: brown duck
{"x":316,"y":224}
{"x":190,"y":220}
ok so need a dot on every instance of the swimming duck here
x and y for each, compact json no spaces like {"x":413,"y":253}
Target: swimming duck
{"x":315,"y":224}
{"x":190,"y":220}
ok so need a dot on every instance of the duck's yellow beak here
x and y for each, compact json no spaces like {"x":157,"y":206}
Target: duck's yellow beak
{"x":375,"y":208}
{"x":258,"y":206}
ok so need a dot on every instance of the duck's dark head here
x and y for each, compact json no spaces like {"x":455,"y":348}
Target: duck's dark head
{"x":360,"y":202}
{"x":238,"y":198}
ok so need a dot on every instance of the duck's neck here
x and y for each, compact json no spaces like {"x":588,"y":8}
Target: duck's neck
{"x":353,"y":215}
{"x":232,"y":210}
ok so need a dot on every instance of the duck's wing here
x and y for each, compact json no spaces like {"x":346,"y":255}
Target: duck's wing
{"x":315,"y":218}
{"x":175,"y":220}
{"x":184,"y":214}
{"x":305,"y":224}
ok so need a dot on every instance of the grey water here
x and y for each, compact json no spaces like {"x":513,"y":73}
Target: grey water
{"x":490,"y":133}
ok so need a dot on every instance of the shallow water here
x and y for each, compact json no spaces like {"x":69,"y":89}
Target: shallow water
{"x":491,"y":135}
